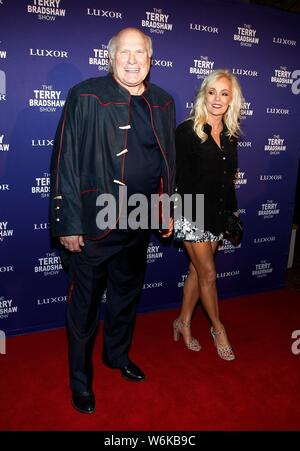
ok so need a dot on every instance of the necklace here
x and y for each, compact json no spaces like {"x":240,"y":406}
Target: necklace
{"x":217,"y":131}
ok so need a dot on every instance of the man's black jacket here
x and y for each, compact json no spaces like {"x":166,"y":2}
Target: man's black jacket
{"x":89,"y":155}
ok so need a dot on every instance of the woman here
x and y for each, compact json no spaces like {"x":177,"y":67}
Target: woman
{"x":206,"y":146}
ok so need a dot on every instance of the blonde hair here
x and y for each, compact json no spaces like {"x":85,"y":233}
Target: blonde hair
{"x":112,"y":45}
{"x":199,"y":113}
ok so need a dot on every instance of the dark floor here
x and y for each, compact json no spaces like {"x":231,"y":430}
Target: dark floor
{"x":293,"y":274}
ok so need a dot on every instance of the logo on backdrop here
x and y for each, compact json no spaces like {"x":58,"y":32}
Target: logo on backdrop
{"x":284,"y":41}
{"x":245,"y":72}
{"x":269,"y":210}
{"x":275,"y":145}
{"x":52,"y":300}
{"x":3,"y":53}
{"x":46,"y":9}
{"x":2,"y":85}
{"x":6,"y":269}
{"x":153,"y":253}
{"x":43,"y":144}
{"x":49,"y":265}
{"x":100,"y":58}
{"x":152,"y":285}
{"x":156,"y":21}
{"x":246,"y":35}
{"x":244,"y":145}
{"x":227,"y":247}
{"x":296,"y":83}
{"x":161,"y":63}
{"x":264,"y":239}
{"x":226,"y":274}
{"x":41,"y":226}
{"x":202,"y":67}
{"x":5,"y":231}
{"x":181,"y":282}
{"x":7,"y":307}
{"x":189,"y":105}
{"x":204,"y":28}
{"x":49,"y":53}
{"x":46,"y":99}
{"x":105,"y":14}
{"x":4,"y":187}
{"x":246,"y":110}
{"x":262,"y":269}
{"x":270,"y":177}
{"x":276,"y":110}
{"x":42,"y":186}
{"x":282,"y":77}
{"x":4,"y":147}
{"x":240,"y":179}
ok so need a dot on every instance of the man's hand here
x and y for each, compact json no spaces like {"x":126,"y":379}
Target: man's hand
{"x":168,"y":233}
{"x":72,"y":243}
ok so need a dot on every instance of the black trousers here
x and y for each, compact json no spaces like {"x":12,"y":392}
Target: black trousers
{"x":117,"y":263}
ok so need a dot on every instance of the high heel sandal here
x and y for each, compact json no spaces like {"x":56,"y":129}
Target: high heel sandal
{"x":178,"y":324}
{"x":225,"y":352}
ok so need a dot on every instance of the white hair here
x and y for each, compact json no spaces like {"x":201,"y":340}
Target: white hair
{"x":112,"y":45}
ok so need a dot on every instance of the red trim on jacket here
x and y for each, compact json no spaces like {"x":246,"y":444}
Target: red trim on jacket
{"x":89,"y":191}
{"x":60,"y":149}
{"x":101,"y":103}
{"x":163,"y":106}
{"x":123,"y":180}
{"x":70,"y":292}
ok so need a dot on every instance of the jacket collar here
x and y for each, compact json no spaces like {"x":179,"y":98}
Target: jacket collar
{"x":123,"y":90}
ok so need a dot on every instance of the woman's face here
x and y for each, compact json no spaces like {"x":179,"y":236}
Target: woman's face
{"x":218,"y":96}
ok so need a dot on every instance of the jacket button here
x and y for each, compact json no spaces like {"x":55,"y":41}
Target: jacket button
{"x":224,"y":158}
{"x":225,"y":172}
{"x":57,"y":219}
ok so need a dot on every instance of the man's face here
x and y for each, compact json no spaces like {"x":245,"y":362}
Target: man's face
{"x":131,"y":62}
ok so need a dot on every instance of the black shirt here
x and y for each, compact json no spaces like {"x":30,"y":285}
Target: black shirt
{"x":144,"y":159}
{"x":205,"y":168}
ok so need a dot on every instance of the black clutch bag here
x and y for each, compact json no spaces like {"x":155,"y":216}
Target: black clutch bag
{"x":235,"y":229}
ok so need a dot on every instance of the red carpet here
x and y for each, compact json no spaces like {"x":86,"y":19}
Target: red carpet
{"x":185,"y":390}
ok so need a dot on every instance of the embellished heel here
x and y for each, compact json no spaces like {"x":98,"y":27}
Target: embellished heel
{"x":224,"y":352}
{"x":178,"y":324}
{"x":176,"y":333}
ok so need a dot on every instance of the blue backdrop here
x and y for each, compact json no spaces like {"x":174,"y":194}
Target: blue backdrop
{"x":46,"y":46}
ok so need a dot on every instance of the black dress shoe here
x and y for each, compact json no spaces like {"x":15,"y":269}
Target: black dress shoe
{"x":132,"y":373}
{"x":84,"y":401}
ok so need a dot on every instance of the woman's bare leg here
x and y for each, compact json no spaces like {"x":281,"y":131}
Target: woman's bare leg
{"x":202,"y":264}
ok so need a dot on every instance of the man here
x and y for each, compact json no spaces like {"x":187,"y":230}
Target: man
{"x":115,"y":132}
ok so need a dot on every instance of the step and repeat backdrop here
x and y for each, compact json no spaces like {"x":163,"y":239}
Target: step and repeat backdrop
{"x":47,"y":46}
